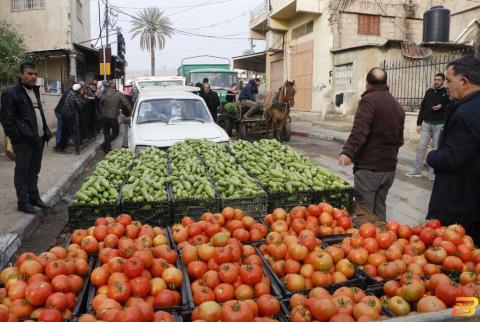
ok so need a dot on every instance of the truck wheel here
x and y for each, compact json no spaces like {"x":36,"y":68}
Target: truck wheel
{"x":286,"y":132}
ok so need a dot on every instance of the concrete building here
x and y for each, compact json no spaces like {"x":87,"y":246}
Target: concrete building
{"x":57,"y":33}
{"x":327,"y":47}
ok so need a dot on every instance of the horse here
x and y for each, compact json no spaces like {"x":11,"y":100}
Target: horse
{"x":279,"y":110}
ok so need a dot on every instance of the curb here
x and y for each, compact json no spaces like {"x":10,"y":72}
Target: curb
{"x":52,"y":196}
{"x":319,"y":136}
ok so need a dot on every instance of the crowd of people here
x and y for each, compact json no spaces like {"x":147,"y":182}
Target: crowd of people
{"x":449,"y":117}
{"x":24,"y":123}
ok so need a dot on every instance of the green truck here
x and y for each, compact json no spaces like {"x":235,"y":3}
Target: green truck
{"x":220,"y":75}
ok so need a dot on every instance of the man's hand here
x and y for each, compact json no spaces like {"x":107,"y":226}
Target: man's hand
{"x":419,"y":129}
{"x":344,"y":161}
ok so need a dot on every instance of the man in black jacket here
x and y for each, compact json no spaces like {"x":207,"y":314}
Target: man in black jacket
{"x":430,"y":122}
{"x":456,"y":191}
{"x":23,"y":121}
{"x":211,"y":99}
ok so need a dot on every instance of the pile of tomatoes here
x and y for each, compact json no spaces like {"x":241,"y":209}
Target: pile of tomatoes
{"x":231,"y":221}
{"x":43,"y":286}
{"x":322,"y":219}
{"x":424,"y":250}
{"x":136,"y":270}
{"x":260,"y":310}
{"x":302,"y":263}
{"x":346,"y":304}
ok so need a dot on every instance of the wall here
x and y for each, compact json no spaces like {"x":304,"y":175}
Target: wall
{"x":41,"y":29}
{"x":80,"y":28}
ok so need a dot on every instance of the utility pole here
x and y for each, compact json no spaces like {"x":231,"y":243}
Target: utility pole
{"x":106,"y":44}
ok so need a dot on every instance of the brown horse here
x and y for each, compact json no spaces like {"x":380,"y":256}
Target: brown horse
{"x":279,"y":110}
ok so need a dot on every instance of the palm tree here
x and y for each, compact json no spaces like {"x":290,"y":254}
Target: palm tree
{"x":153,"y":28}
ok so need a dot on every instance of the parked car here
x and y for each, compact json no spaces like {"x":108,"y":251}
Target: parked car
{"x":163,"y":117}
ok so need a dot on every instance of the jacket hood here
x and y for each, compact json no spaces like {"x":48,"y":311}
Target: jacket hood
{"x":376,"y":88}
{"x":110,"y":92}
{"x":252,"y":82}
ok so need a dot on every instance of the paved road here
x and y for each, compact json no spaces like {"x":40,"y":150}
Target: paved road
{"x":408,"y":199}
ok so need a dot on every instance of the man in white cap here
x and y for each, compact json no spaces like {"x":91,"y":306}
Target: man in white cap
{"x":72,"y":105}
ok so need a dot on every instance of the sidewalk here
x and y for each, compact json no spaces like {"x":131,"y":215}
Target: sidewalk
{"x":338,"y":129}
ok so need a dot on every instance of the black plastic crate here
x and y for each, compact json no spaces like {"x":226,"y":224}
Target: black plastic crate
{"x":288,"y":201}
{"x":193,"y":208}
{"x":357,"y":280}
{"x":329,"y":240}
{"x":339,"y":197}
{"x":255,"y":207}
{"x":184,"y":292}
{"x":154,"y":214}
{"x":84,"y":216}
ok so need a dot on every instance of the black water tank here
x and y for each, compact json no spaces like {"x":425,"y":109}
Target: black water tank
{"x":436,"y":25}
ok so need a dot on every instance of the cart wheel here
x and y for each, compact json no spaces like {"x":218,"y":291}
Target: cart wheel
{"x":286,"y":132}
{"x":227,"y":125}
{"x":242,"y":131}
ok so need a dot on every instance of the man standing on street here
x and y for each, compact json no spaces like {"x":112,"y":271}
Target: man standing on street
{"x":211,"y":99}
{"x":373,"y":144}
{"x":456,"y":191}
{"x":247,"y":97}
{"x":68,"y":112}
{"x":430,"y":122}
{"x":23,"y":120}
{"x":110,"y":104}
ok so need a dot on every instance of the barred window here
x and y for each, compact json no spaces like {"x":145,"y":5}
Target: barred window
{"x":24,"y":5}
{"x":302,"y":30}
{"x":343,"y":75}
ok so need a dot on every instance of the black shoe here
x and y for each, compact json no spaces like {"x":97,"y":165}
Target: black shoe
{"x":28,"y":209}
{"x":39,"y":203}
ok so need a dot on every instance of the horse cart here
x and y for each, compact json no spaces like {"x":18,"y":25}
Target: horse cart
{"x":232,"y":117}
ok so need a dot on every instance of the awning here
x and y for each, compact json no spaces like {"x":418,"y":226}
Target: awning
{"x":252,"y":62}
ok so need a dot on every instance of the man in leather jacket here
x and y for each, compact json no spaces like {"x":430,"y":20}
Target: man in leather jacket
{"x":23,"y":120}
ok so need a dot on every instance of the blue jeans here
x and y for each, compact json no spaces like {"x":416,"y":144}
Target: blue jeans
{"x":429,"y":132}
{"x":58,"y":135}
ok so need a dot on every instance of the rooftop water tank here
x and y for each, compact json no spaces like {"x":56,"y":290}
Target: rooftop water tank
{"x":436,"y":24}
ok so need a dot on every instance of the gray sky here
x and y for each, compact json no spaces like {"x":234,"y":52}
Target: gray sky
{"x":188,"y":15}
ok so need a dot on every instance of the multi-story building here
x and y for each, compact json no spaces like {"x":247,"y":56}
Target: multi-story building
{"x":328,"y":46}
{"x":57,"y":33}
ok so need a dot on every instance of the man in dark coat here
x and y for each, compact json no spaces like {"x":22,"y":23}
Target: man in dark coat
{"x":247,"y":97}
{"x":110,"y":105}
{"x":456,"y":191}
{"x":68,"y":112}
{"x":211,"y":99}
{"x":430,"y":122}
{"x":373,"y":144}
{"x":23,"y":121}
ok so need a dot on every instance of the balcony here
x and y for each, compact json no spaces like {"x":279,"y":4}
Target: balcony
{"x":287,"y":9}
{"x":258,"y":18}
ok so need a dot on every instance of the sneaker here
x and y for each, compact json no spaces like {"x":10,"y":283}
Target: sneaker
{"x":413,"y":175}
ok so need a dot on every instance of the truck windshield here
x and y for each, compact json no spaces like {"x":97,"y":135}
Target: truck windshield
{"x":224,"y":80}
{"x":172,"y":110}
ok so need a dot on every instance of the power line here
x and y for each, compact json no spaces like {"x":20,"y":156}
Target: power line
{"x":218,"y":23}
{"x":175,"y":7}
{"x":183,"y":32}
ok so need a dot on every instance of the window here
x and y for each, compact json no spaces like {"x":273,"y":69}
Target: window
{"x":24,"y":5}
{"x":302,"y":30}
{"x":369,"y":25}
{"x":172,"y":110}
{"x":79,"y":10}
{"x":343,"y":76}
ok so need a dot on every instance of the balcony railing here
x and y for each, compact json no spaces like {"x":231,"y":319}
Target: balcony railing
{"x":259,"y":14}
